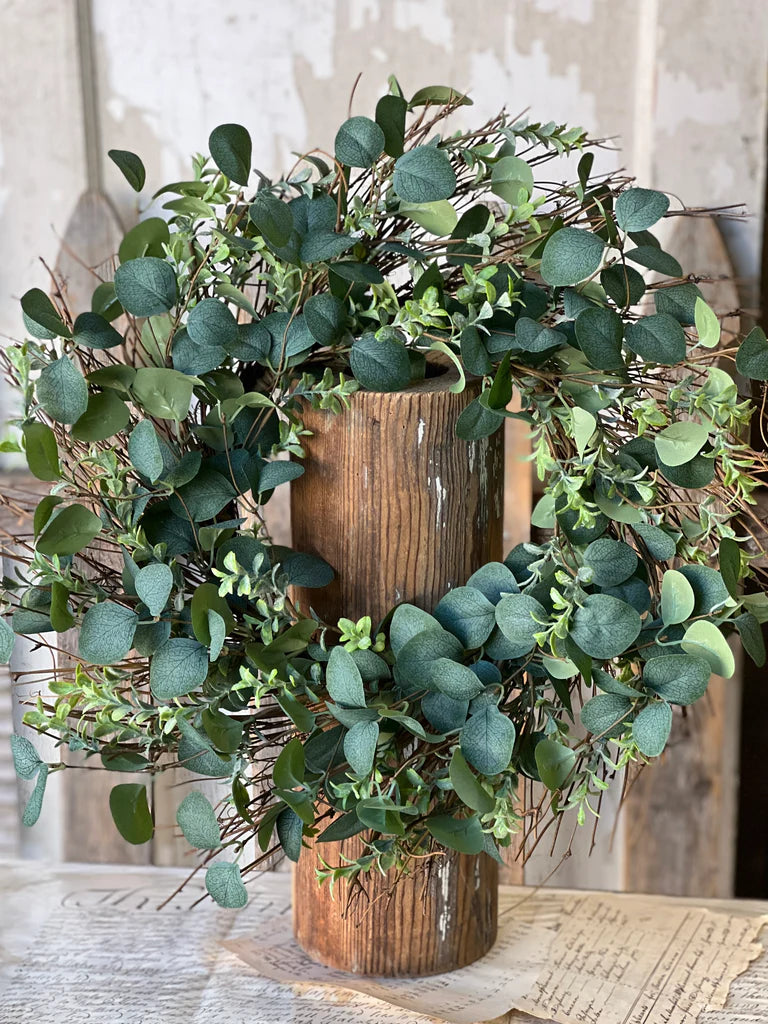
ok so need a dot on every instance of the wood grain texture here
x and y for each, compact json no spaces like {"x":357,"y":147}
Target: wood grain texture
{"x":402,"y":508}
{"x":518,"y":505}
{"x":680,"y":816}
{"x":441,"y":917}
{"x":404,"y":511}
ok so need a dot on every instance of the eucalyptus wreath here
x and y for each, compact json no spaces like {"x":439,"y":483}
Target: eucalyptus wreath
{"x":157,"y":417}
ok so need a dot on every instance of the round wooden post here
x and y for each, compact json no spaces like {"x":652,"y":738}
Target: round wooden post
{"x":404,"y":510}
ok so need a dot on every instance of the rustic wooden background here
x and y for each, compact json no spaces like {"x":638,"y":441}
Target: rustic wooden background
{"x":681,"y":86}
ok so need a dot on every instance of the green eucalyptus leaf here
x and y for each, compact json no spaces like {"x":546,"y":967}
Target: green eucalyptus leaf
{"x":660,"y":545}
{"x":599,"y":334}
{"x":611,"y":561}
{"x":443,"y":713}
{"x":26,"y":760}
{"x":130,"y":812}
{"x":677,"y":598}
{"x":359,"y":142}
{"x":7,"y":642}
{"x":623,"y":284}
{"x":325,"y":316}
{"x":360,"y":747}
{"x":62,"y":392}
{"x":225,"y":885}
{"x":439,"y":218}
{"x":678,"y":678}
{"x":729,"y":558}
{"x":321,"y":246}
{"x":177,"y":668}
{"x":164,"y":393}
{"x":149,"y":636}
{"x":605,"y":627}
{"x":230,"y":146}
{"x":657,"y":339}
{"x":145,"y":452}
{"x":680,"y":442}
{"x":211,"y":323}
{"x":493,"y":580}
{"x":487,"y":740}
{"x":467,"y":786}
{"x":146,"y":286}
{"x":571,"y":255}
{"x":35,"y":803}
{"x":290,"y":829}
{"x":343,"y":679}
{"x":197,"y":820}
{"x":416,"y":657}
{"x":454,"y":680}
{"x":752,"y":357}
{"x":707,"y":324}
{"x":509,"y":176}
{"x":651,"y":728}
{"x":704,"y":640}
{"x":638,"y":209}
{"x":278,"y":472}
{"x":272,"y":217}
{"x":751,"y":637}
{"x":519,"y":617}
{"x":555,"y":763}
{"x":217,"y":631}
{"x":464,"y":835}
{"x":62,"y":618}
{"x":583,"y":425}
{"x":153,"y":585}
{"x":148,"y":238}
{"x":106,"y":414}
{"x":440,"y":94}
{"x":656,"y":259}
{"x":106,"y":633}
{"x":468,"y":614}
{"x":204,"y":496}
{"x":40,"y":316}
{"x":605,"y":715}
{"x":224,"y":732}
{"x":424,"y":175}
{"x":679,"y":302}
{"x":130,"y":166}
{"x":380,"y":364}
{"x":93,"y":331}
{"x":390,"y":117}
{"x":41,"y":450}
{"x":408,"y":621}
{"x":69,"y":531}
{"x":477,"y":422}
{"x":708,"y":588}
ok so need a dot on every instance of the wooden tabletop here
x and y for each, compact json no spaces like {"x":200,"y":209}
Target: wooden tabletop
{"x":85,"y":943}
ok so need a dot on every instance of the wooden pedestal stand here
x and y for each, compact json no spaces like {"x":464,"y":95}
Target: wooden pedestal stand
{"x":404,"y":510}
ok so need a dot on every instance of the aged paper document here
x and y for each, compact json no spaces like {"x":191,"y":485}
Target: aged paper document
{"x":486,"y":989}
{"x":86,"y":945}
{"x":602,"y":959}
{"x":629,"y":960}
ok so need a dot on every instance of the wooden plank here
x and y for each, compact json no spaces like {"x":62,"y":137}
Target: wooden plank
{"x":404,"y":510}
{"x":681,"y":812}
{"x":518,"y":505}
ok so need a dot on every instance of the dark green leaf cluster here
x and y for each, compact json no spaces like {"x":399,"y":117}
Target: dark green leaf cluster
{"x":165,"y":417}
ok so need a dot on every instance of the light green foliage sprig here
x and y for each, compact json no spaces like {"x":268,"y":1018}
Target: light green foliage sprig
{"x":158,"y":418}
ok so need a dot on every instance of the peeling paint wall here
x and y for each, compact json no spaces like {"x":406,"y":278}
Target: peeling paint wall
{"x":680,"y":85}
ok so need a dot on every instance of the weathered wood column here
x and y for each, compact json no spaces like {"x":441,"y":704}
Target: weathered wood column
{"x":404,"y":510}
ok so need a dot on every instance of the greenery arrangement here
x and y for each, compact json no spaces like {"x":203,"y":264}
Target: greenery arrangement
{"x":157,"y":417}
